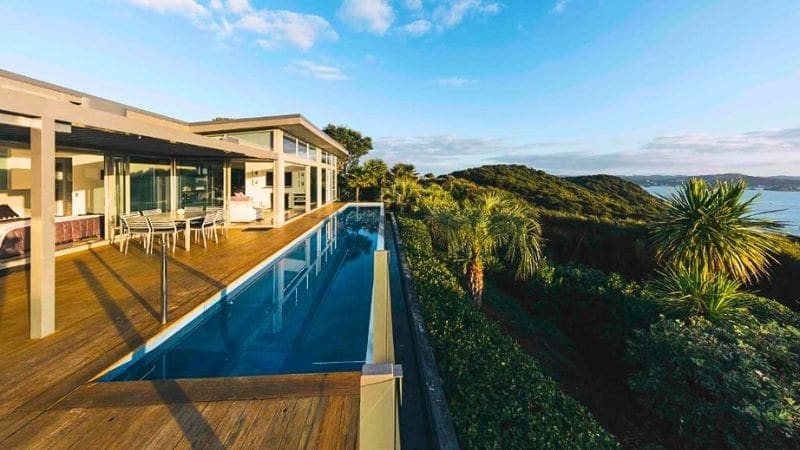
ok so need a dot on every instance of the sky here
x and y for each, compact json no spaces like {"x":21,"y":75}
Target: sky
{"x":566,"y":86}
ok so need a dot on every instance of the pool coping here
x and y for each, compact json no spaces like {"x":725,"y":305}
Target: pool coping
{"x":175,"y":327}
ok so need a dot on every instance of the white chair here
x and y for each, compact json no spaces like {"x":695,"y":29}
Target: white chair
{"x":206,"y":227}
{"x":219,"y":220}
{"x":163,"y":228}
{"x":151,"y":212}
{"x":136,"y":226}
{"x":120,"y":231}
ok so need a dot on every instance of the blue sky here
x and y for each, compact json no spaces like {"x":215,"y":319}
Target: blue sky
{"x":568,"y":86}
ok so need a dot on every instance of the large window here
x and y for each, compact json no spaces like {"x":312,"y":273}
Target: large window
{"x":238,"y":177}
{"x":314,"y":184}
{"x":260,"y":139}
{"x":289,"y":145}
{"x":324,"y":182}
{"x":149,"y":184}
{"x":199,"y":183}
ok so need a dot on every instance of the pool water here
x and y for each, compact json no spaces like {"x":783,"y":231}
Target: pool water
{"x":309,"y":311}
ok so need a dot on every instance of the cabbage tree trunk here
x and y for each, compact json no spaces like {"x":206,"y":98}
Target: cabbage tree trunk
{"x":475,"y":280}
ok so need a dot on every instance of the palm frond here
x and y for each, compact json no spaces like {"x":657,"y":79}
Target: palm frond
{"x":714,"y":229}
{"x":693,"y":292}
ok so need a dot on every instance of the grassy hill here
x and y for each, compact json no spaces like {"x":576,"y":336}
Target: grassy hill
{"x":602,"y":196}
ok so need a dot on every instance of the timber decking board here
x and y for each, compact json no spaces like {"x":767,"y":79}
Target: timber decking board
{"x":107,"y":304}
{"x":136,"y":393}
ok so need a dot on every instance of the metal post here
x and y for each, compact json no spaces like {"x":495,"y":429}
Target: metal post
{"x":163,"y":283}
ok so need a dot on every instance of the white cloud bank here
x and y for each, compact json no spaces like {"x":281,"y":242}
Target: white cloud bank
{"x":374,"y":16}
{"x":770,"y":152}
{"x":319,"y":71}
{"x":453,"y":81}
{"x":267,"y":28}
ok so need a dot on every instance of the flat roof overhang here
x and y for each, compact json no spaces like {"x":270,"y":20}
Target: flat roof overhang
{"x":294,"y":124}
{"x":89,"y":128}
{"x":90,"y":139}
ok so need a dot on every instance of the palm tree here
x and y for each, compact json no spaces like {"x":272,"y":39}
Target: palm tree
{"x":403,"y":194}
{"x":692,"y":292}
{"x":372,"y":174}
{"x":358,"y":179}
{"x":404,"y":170}
{"x":712,"y":229}
{"x":476,"y":232}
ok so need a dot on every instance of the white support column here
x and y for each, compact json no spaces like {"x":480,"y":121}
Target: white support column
{"x":328,"y":186}
{"x":226,"y":186}
{"x":307,"y":184}
{"x":318,"y":173}
{"x":332,"y":180}
{"x":278,"y":180}
{"x":43,"y":218}
{"x":110,"y":194}
{"x":173,"y":186}
{"x":318,"y":170}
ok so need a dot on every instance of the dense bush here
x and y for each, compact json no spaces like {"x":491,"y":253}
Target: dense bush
{"x":610,"y":246}
{"x":598,"y":311}
{"x":712,"y":385}
{"x":783,"y":283}
{"x":497,"y":393}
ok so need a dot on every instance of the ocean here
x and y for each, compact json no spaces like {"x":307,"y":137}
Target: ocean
{"x":787,"y":205}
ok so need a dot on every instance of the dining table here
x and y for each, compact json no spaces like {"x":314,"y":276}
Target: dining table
{"x":183,"y":221}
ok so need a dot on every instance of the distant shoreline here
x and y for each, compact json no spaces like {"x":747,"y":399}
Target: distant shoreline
{"x":749,"y":188}
{"x":777,"y":183}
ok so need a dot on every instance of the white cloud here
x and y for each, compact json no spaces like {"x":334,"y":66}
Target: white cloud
{"x":239,"y":6}
{"x":414,"y":5}
{"x":452,"y":12}
{"x":435,"y":153}
{"x":188,"y":8}
{"x":758,"y":152}
{"x":374,"y":16}
{"x":771,"y":152}
{"x":417,"y":27}
{"x":453,"y":81}
{"x":279,"y":28}
{"x":560,"y":5}
{"x":319,"y":71}
{"x":268,"y":28}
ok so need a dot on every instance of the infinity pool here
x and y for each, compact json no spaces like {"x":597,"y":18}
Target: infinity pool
{"x":308,"y":311}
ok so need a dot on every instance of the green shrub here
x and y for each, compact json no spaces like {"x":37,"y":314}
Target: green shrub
{"x":732,"y":385}
{"x":598,"y":311}
{"x":497,"y":393}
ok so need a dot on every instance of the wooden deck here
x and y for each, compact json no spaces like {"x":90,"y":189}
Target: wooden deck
{"x":107,"y":304}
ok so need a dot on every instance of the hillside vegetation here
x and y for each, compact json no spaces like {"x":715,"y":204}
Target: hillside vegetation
{"x":600,"y":196}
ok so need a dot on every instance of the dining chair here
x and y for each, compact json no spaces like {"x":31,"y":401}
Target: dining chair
{"x":163,"y":227}
{"x":137,"y":226}
{"x":205,"y":227}
{"x":120,"y":231}
{"x":193,"y":209}
{"x":219,"y":220}
{"x":151,"y":212}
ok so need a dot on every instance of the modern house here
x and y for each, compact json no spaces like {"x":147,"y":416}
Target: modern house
{"x":73,"y":163}
{"x":280,"y":331}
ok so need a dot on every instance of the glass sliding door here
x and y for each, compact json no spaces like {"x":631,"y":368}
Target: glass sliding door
{"x":314,"y":184}
{"x":200,"y":183}
{"x":149,"y":183}
{"x":324,"y":182}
